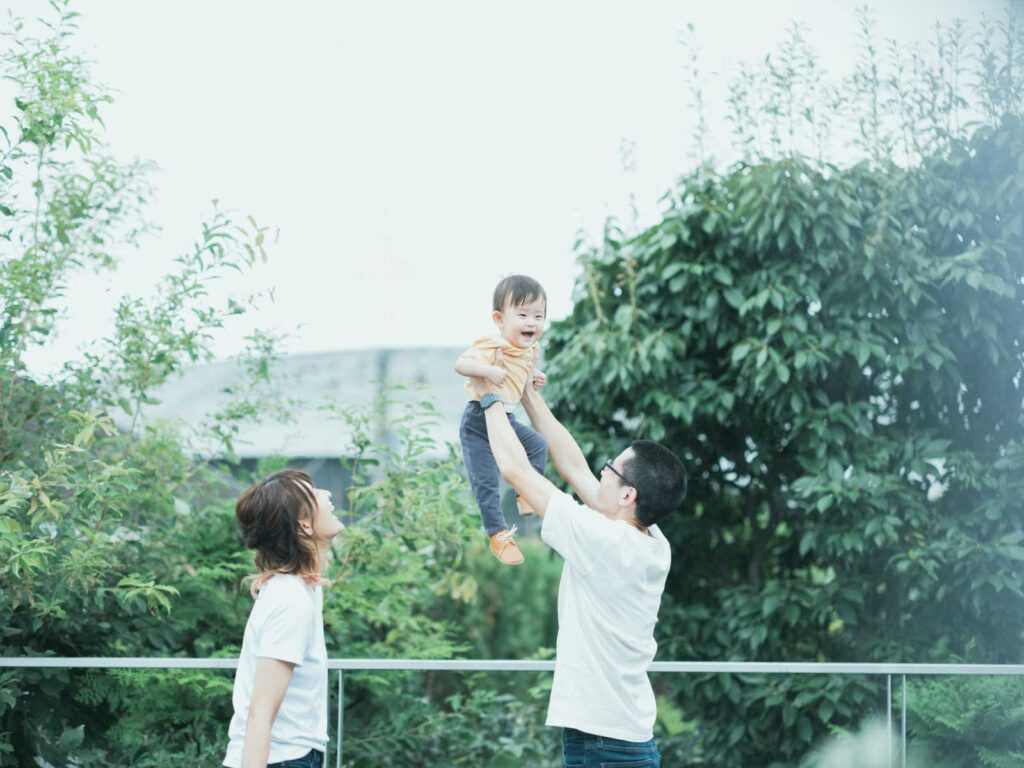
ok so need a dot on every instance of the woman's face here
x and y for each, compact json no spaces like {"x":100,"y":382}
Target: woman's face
{"x":325,"y":525}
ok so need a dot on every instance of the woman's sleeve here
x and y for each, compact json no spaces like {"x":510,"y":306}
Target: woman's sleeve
{"x":286,"y":630}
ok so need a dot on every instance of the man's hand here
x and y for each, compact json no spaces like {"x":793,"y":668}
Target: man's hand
{"x":497,"y":375}
{"x":482,"y":385}
{"x":539,"y":379}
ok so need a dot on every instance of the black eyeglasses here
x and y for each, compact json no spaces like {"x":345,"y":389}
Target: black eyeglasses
{"x":622,"y":477}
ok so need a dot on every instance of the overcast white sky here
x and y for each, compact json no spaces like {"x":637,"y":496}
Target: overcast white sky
{"x":413,"y":153}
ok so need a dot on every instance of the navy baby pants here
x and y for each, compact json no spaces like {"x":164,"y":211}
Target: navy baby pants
{"x":480,"y":465}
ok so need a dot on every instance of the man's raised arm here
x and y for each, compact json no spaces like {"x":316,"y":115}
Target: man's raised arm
{"x":563,"y":449}
{"x":510,"y":456}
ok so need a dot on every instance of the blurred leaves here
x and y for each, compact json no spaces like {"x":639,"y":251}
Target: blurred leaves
{"x":836,"y":353}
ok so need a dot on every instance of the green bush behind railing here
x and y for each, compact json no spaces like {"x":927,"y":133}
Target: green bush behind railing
{"x":836,"y":349}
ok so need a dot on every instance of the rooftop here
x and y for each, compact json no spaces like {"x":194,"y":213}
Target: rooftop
{"x":350,"y":379}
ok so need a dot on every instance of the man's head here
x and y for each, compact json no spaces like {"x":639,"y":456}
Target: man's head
{"x":519,"y":309}
{"x":646,"y":478}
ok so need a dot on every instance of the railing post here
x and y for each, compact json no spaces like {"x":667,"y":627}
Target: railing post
{"x":903,"y":720}
{"x":341,"y":712}
{"x":888,"y":714}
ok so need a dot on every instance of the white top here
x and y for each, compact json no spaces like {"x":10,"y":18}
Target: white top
{"x":608,"y":602}
{"x":286,"y":623}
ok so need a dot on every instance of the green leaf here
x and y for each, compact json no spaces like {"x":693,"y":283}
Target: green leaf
{"x":825,"y":710}
{"x":819,"y":233}
{"x":804,"y":698}
{"x":806,"y":542}
{"x":733,"y":297}
{"x":71,"y":738}
{"x":723,"y":275}
{"x":673,"y":269}
{"x":1013,"y":552}
{"x":803,"y":729}
{"x":862,"y":352}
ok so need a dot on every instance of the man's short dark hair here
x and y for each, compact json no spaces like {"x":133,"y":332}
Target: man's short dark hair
{"x":659,"y":478}
{"x":515,"y":290}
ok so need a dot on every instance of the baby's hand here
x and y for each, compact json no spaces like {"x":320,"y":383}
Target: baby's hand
{"x":539,"y":379}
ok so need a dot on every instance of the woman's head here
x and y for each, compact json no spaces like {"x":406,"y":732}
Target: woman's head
{"x":288,"y":522}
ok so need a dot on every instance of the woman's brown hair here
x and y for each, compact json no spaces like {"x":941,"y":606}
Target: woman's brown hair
{"x":268,"y":515}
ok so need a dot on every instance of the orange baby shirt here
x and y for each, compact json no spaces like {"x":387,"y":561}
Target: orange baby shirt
{"x":519,"y":361}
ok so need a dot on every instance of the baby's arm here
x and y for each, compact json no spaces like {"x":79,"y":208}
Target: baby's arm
{"x":472,"y":367}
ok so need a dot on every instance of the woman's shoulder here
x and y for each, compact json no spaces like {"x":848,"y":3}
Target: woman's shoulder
{"x":287,"y":587}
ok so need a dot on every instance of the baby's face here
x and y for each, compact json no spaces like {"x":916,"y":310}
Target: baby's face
{"x":523,"y":324}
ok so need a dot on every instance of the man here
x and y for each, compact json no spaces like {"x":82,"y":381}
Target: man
{"x":616,"y":562}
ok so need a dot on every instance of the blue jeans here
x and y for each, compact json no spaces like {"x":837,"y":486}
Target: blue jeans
{"x":312,"y":759}
{"x":585,"y":750}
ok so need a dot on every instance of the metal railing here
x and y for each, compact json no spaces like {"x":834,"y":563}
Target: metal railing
{"x":499,"y":665}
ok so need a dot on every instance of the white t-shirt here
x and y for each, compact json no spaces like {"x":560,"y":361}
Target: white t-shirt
{"x":608,"y":602}
{"x":286,"y":623}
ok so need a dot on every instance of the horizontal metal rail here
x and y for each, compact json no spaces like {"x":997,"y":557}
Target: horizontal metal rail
{"x":515,"y":665}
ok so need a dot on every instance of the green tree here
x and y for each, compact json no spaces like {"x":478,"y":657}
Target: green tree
{"x":836,"y":350}
{"x":970,"y":721}
{"x":121,"y":540}
{"x":96,"y":522}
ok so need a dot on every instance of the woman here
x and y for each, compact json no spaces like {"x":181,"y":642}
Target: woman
{"x":280,"y":694}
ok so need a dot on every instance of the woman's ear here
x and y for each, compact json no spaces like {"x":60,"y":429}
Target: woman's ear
{"x":306,"y":526}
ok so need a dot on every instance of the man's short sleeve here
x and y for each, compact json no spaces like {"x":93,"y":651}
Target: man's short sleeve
{"x":576,"y":532}
{"x":286,"y":628}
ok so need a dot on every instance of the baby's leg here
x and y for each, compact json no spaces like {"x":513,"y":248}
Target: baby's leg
{"x":481,"y":468}
{"x":534,"y":442}
{"x":536,"y":446}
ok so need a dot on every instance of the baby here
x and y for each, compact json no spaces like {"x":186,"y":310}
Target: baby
{"x":507,"y":361}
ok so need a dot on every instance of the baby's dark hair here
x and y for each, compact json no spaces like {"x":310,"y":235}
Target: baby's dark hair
{"x":515,"y":290}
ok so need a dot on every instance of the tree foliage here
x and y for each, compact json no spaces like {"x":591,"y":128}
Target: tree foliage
{"x":836,"y":350}
{"x":117,"y":537}
{"x":834,"y":347}
{"x":970,"y":721}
